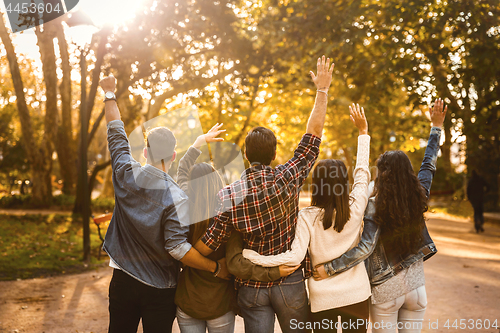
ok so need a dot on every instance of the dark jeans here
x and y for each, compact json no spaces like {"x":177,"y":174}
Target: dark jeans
{"x":287,"y":300}
{"x":354,"y":318}
{"x":478,"y":216}
{"x":131,"y":300}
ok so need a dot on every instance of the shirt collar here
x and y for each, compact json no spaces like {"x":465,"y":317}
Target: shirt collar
{"x":157,"y":173}
{"x":255,"y":168}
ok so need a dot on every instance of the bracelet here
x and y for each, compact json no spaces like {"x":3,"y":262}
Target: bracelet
{"x":218,"y":268}
{"x":324,"y":92}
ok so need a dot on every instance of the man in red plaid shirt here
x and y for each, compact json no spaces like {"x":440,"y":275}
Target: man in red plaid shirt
{"x":263,"y":206}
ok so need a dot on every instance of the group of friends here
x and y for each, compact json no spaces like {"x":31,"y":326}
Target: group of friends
{"x":202,"y":252}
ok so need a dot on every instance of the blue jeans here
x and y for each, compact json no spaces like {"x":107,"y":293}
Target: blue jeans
{"x":287,"y":300}
{"x":223,"y":324}
{"x":406,"y":313}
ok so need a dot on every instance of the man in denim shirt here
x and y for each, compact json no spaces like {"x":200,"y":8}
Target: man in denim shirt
{"x":147,"y":235}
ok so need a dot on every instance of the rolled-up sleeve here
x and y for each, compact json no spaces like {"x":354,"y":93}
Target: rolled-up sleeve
{"x":180,"y":250}
{"x":176,"y":230}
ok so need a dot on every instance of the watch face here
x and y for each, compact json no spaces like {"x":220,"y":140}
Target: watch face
{"x":110,"y":95}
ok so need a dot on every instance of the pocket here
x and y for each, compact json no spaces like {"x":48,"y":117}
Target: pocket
{"x":422,"y":297}
{"x":247,"y":297}
{"x":390,"y":306}
{"x":294,"y":295}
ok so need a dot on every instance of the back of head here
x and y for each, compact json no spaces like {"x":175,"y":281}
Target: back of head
{"x":205,"y":183}
{"x":330,"y":191}
{"x":400,"y":202}
{"x":260,"y":146}
{"x":160,"y":142}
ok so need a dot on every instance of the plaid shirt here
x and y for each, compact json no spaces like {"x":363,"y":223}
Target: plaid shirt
{"x":263,"y":206}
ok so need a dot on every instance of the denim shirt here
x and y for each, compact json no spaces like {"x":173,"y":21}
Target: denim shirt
{"x":380,"y":264}
{"x":148,"y":232}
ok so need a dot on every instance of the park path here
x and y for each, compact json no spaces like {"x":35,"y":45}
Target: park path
{"x":463,"y":282}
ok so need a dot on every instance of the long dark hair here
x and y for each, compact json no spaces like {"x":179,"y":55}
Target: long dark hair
{"x":400,"y":202}
{"x":330,"y":191}
{"x":203,"y":188}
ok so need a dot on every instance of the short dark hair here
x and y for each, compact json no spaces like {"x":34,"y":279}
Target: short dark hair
{"x":260,"y":145}
{"x":161,"y":144}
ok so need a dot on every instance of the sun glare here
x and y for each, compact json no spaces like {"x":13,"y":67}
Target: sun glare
{"x":102,"y":12}
{"x":110,"y":11}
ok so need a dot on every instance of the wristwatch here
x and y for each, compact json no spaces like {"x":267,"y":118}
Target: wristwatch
{"x":110,"y":96}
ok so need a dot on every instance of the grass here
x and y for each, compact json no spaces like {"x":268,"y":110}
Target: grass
{"x":461,"y":208}
{"x":38,"y":246}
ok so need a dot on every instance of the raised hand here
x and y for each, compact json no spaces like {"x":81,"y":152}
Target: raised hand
{"x":287,"y":270}
{"x":210,"y":136}
{"x":358,"y":118}
{"x":438,"y":113}
{"x":324,"y":77}
{"x":108,"y":83}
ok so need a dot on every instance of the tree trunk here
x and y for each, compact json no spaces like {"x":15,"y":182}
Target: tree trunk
{"x":90,"y":98}
{"x":66,"y":143}
{"x":41,"y":186}
{"x":39,"y":156}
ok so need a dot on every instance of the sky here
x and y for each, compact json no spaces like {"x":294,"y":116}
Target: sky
{"x":114,"y":12}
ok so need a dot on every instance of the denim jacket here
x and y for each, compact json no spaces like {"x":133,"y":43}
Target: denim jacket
{"x":381,"y":265}
{"x":148,"y":231}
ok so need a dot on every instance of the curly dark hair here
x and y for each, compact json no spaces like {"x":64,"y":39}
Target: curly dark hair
{"x":400,"y":202}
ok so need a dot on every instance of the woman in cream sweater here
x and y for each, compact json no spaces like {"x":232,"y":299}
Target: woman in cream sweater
{"x":329,"y":227}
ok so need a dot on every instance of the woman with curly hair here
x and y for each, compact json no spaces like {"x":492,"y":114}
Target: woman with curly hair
{"x":395,"y":239}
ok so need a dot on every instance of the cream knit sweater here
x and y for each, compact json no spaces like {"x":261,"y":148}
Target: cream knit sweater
{"x":352,"y":286}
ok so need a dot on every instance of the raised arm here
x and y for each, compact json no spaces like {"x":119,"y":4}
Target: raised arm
{"x":359,"y":193}
{"x":322,"y":80}
{"x":108,"y":85}
{"x":292,"y":257}
{"x":119,"y":147}
{"x":428,"y":167}
{"x":189,"y":159}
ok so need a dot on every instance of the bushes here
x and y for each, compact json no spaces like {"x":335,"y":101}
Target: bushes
{"x":103,"y":204}
{"x":15,"y":201}
{"x":60,"y":202}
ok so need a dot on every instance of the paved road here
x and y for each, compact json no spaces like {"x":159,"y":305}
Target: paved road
{"x":463,"y":282}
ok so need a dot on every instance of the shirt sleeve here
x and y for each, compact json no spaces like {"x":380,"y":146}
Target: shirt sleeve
{"x":298,"y":167}
{"x":244,"y":268}
{"x":185,"y":165}
{"x":176,"y":230}
{"x":359,"y":193}
{"x":428,"y":167}
{"x":119,"y":147}
{"x":221,"y":229}
{"x":292,"y":257}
